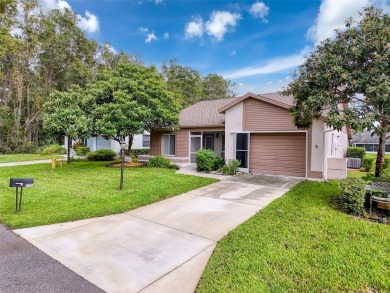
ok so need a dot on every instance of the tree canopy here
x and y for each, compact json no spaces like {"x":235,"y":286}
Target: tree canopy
{"x":128,"y":100}
{"x":189,"y":86}
{"x":354,"y":70}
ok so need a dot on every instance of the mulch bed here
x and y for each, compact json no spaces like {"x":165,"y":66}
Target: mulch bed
{"x":126,"y":165}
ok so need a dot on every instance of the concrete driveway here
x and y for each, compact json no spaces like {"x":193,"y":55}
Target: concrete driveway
{"x":163,"y":247}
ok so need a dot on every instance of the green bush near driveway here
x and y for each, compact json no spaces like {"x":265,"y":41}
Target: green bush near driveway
{"x":231,"y":167}
{"x":86,"y":189}
{"x":301,"y":243}
{"x":205,"y":160}
{"x":352,"y":195}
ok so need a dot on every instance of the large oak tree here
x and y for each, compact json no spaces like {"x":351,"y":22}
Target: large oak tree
{"x":354,"y":70}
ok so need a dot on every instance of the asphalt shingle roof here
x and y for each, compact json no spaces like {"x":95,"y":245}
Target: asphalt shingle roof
{"x":204,"y":113}
{"x":365,"y":137}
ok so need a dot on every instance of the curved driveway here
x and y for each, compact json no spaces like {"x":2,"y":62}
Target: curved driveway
{"x":162,"y":247}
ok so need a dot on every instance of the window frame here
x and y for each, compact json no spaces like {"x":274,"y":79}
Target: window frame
{"x":168,"y":154}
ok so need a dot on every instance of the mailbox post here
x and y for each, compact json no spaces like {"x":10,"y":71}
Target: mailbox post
{"x":20,"y":183}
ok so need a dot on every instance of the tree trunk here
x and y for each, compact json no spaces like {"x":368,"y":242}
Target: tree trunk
{"x":131,"y":138}
{"x":380,"y":157}
{"x":68,"y":151}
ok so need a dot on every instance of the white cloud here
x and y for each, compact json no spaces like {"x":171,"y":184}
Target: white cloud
{"x":194,"y":28}
{"x":54,"y":4}
{"x":280,"y":64}
{"x":232,"y":53}
{"x":333,"y":13}
{"x":166,"y":36}
{"x":89,"y":23}
{"x":158,"y":1}
{"x":150,"y":37}
{"x":143,"y":30}
{"x":220,"y":22}
{"x":259,"y":10}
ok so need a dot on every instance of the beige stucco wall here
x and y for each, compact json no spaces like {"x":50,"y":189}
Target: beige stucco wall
{"x":335,"y":144}
{"x":233,"y":118}
{"x":317,"y":146}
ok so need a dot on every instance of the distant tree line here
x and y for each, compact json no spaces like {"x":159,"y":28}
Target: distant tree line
{"x":45,"y":55}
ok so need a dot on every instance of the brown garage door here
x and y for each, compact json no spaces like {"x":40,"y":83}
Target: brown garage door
{"x":280,"y":154}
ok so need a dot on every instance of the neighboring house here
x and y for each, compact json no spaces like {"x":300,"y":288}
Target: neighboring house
{"x":259,"y":131}
{"x":140,"y":141}
{"x":370,"y":143}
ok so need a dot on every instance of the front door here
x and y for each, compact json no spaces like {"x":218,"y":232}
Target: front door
{"x":208,"y":141}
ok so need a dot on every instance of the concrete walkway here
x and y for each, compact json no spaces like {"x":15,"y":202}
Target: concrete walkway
{"x":163,"y":247}
{"x":12,"y":164}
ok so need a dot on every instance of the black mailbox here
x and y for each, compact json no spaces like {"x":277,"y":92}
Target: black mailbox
{"x":20,"y":182}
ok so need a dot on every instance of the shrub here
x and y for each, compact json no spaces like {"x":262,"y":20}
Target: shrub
{"x":53,"y":149}
{"x":159,"y":161}
{"x":352,"y":193}
{"x":205,"y":160}
{"x":382,"y":178}
{"x":137,"y":152}
{"x":355,"y":152}
{"x":77,"y":144}
{"x":386,"y":164}
{"x":101,"y":155}
{"x":218,"y":163}
{"x":174,"y":166}
{"x":26,"y":148}
{"x":367,"y":164}
{"x":82,"y":150}
{"x":231,"y":167}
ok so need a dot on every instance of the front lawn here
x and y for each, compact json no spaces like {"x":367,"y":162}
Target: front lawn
{"x":300,"y":243}
{"x":86,"y":189}
{"x":367,"y":176}
{"x":24,"y":157}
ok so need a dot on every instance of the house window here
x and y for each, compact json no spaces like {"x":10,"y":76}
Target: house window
{"x":146,"y":141}
{"x":242,"y":149}
{"x":372,"y":147}
{"x":169,"y":144}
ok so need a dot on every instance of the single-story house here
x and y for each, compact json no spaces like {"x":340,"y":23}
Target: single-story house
{"x":258,"y":130}
{"x":140,"y":141}
{"x":370,"y":143}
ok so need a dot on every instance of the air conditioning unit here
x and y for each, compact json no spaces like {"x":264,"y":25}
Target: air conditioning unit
{"x":354,"y":163}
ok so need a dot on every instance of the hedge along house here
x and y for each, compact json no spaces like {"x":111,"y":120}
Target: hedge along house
{"x":257,"y":130}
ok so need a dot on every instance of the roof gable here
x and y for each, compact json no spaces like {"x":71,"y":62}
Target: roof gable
{"x":271,"y":98}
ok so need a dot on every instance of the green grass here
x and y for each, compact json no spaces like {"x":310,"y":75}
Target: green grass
{"x":300,"y":243}
{"x":364,"y":175}
{"x":86,"y":189}
{"x":24,"y":157}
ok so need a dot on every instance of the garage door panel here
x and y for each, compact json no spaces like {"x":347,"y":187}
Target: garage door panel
{"x":279,"y":154}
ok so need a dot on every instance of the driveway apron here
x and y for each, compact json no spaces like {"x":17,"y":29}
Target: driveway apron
{"x":162,"y":247}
